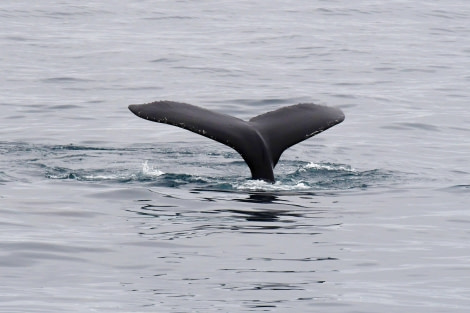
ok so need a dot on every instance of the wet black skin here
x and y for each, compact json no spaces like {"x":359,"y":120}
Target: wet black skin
{"x":260,"y":141}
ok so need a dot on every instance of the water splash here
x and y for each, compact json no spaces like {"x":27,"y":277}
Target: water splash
{"x":174,"y":169}
{"x":260,"y":185}
{"x":327,"y":167}
{"x":146,"y":173}
{"x":150,"y":171}
{"x":302,"y":177}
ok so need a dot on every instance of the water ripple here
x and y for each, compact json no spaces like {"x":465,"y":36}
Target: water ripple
{"x":225,"y":172}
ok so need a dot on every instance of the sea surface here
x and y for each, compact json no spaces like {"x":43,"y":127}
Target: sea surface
{"x":101,"y":211}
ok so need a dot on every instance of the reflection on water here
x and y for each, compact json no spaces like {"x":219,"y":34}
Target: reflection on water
{"x":260,"y":198}
{"x":157,"y":246}
{"x":242,"y":244}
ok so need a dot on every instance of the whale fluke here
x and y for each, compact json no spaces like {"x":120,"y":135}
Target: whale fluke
{"x":260,"y":141}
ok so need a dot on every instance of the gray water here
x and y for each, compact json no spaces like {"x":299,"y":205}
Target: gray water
{"x":101,"y":211}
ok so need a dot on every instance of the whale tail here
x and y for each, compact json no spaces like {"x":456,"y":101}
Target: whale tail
{"x":260,"y":141}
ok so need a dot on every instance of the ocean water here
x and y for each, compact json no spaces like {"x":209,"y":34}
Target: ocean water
{"x":101,"y":211}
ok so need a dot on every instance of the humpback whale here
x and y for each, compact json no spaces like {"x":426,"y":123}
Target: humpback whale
{"x":260,"y":141}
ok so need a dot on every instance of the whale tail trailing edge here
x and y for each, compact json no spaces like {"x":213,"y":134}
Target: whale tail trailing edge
{"x":260,"y":141}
